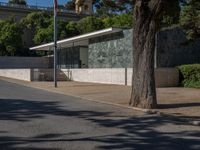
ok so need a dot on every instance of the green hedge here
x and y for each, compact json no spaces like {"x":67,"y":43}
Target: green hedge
{"x":190,"y":75}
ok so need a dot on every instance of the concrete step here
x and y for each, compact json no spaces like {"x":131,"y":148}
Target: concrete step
{"x":48,"y":75}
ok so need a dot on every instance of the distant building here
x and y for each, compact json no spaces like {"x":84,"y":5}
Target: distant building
{"x":85,"y":7}
{"x":20,"y":11}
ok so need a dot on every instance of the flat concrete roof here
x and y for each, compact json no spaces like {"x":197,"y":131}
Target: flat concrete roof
{"x":80,"y":40}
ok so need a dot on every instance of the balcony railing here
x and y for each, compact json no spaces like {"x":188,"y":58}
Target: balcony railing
{"x":35,"y":7}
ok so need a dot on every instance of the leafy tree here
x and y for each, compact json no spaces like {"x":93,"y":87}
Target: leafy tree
{"x":105,"y":7}
{"x":38,"y":23}
{"x":72,"y":29}
{"x":36,"y":20}
{"x":121,"y":21}
{"x":44,"y":35}
{"x":42,"y":25}
{"x":10,"y":37}
{"x":90,"y":24}
{"x":110,"y":7}
{"x":190,"y":18}
{"x":19,"y":2}
{"x":171,"y":15}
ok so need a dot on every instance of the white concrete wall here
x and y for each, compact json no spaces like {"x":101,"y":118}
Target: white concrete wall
{"x":165,"y":77}
{"x":20,"y":74}
{"x":96,"y":75}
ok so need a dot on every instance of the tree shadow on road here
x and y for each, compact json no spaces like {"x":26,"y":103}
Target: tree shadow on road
{"x":139,"y":132}
{"x":188,"y":111}
{"x":178,"y":105}
{"x":26,"y":110}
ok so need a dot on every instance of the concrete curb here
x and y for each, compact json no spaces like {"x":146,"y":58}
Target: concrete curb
{"x":148,"y":111}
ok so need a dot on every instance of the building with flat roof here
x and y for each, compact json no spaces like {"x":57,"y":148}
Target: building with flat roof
{"x":79,"y":51}
{"x":112,"y":48}
{"x":106,"y":56}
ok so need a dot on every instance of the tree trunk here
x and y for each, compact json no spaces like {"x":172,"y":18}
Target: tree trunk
{"x":146,"y":14}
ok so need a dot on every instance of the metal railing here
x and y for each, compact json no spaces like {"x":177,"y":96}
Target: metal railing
{"x":32,"y":7}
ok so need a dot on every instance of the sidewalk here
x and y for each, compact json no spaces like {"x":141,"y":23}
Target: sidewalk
{"x":182,"y":102}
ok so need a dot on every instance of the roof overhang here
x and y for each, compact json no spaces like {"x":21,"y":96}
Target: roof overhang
{"x":81,"y":40}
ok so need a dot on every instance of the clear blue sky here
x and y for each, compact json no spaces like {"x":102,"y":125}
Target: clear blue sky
{"x":41,"y":2}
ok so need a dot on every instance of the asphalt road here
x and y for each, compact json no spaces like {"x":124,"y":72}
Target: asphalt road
{"x":32,"y":119}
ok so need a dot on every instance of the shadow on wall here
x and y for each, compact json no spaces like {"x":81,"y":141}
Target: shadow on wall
{"x":174,"y":49}
{"x":136,"y":132}
{"x":69,"y":75}
{"x":48,"y":75}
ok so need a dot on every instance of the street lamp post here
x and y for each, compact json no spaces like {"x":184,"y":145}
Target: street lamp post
{"x":55,"y":43}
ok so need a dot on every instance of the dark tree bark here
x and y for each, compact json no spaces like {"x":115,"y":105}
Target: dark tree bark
{"x":146,"y":16}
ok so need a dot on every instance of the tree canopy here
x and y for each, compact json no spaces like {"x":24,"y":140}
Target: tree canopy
{"x":121,"y":21}
{"x":110,"y":7}
{"x":10,"y":37}
{"x":90,"y":24}
{"x":171,"y":13}
{"x":41,"y":24}
{"x":118,"y":14}
{"x":44,"y":35}
{"x":190,"y":18}
{"x":36,"y":20}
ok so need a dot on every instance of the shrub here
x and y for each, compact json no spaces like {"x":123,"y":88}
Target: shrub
{"x":190,"y":75}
